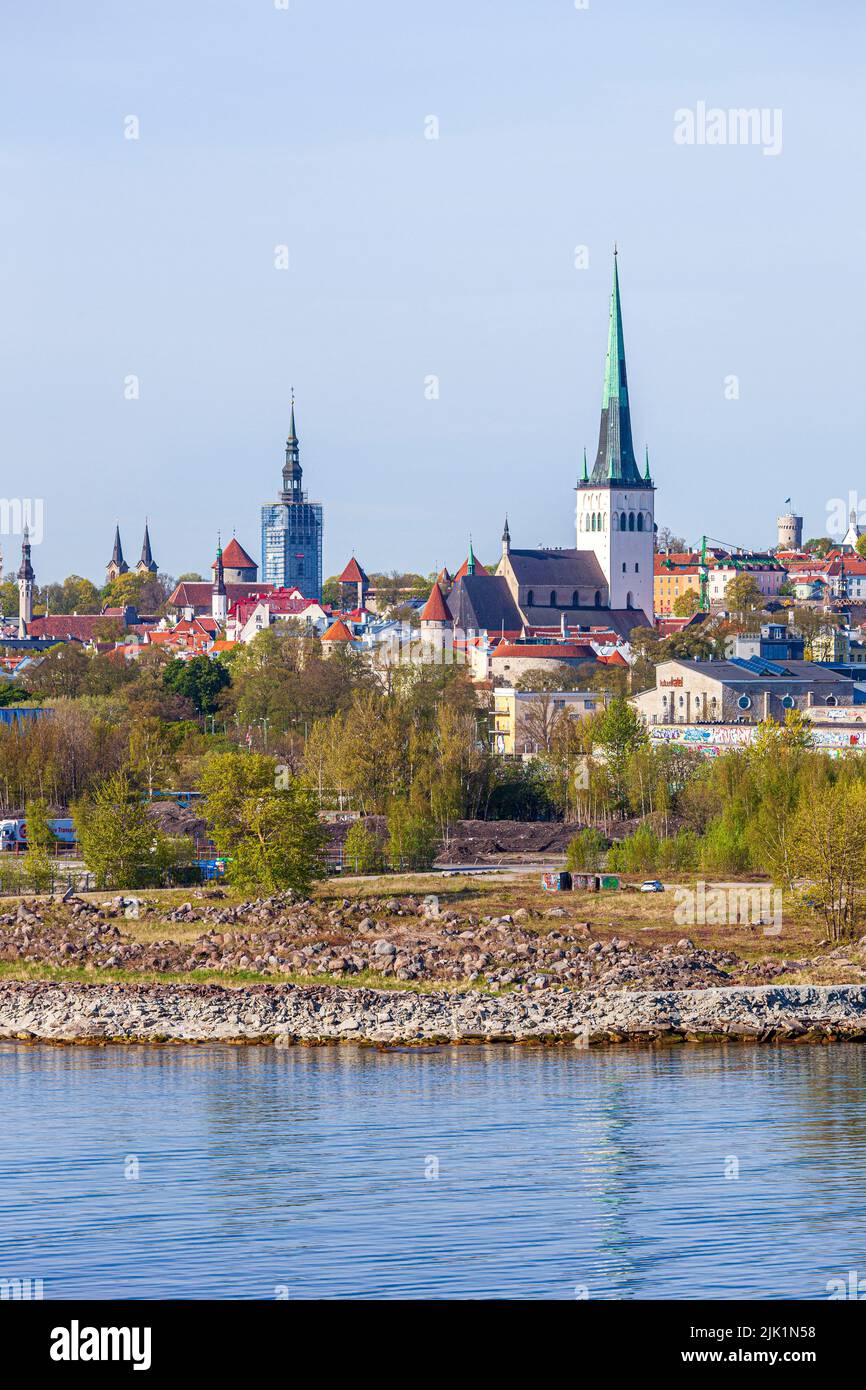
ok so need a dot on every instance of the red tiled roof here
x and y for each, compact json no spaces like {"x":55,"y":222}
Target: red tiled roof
{"x":613,"y":659}
{"x":435,"y":610}
{"x":353,"y":574}
{"x":236,"y":558}
{"x":199,"y":593}
{"x":82,"y":627}
{"x":554,"y":651}
{"x":337,"y":632}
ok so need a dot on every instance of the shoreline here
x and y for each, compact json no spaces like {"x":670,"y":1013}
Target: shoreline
{"x":312,"y":1015}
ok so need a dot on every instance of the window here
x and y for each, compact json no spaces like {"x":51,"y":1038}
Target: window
{"x":640,"y":521}
{"x":622,"y":522}
{"x":628,"y":600}
{"x":623,"y":566}
{"x":530,"y":598}
{"x":598,"y":598}
{"x":636,"y":567}
{"x":553,"y":598}
{"x":631,"y":521}
{"x":575,"y":599}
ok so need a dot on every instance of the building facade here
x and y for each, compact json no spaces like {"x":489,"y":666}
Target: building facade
{"x":292,"y":530}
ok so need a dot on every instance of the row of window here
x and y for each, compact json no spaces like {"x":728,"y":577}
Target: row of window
{"x":554,"y":601}
{"x":633,"y":521}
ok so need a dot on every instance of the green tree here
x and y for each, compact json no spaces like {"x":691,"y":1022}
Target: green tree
{"x":687,"y":604}
{"x":619,"y":732}
{"x":120,"y":843}
{"x":412,"y":840}
{"x":265,"y":822}
{"x":828,"y":849}
{"x":200,"y":680}
{"x":362,"y":850}
{"x":586,"y":850}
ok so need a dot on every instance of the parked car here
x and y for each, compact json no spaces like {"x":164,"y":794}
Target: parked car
{"x":652,"y":885}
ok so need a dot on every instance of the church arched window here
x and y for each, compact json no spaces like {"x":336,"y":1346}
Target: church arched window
{"x":640,"y":521}
{"x":592,"y":523}
{"x":631,"y":521}
{"x":553,"y":598}
{"x":616,"y":521}
{"x":598,"y":598}
{"x":622,"y":522}
{"x":530,"y":598}
{"x":628,"y":600}
{"x":575,"y":599}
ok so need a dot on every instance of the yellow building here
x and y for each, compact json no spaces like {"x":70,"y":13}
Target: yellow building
{"x":525,"y":721}
{"x":670,"y":583}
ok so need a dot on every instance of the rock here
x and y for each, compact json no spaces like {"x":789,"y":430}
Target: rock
{"x":384,"y":948}
{"x":430,"y":906}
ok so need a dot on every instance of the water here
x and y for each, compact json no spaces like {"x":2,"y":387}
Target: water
{"x":310,"y":1173}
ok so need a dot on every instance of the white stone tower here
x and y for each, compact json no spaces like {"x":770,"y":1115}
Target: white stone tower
{"x":615,"y":502}
{"x":26,"y":579}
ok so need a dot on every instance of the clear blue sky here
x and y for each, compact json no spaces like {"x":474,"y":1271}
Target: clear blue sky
{"x":408,"y":257}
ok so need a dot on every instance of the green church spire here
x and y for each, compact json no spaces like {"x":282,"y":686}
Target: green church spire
{"x":470,"y":563}
{"x":615,"y":461}
{"x":585,"y":478}
{"x":646,"y":476}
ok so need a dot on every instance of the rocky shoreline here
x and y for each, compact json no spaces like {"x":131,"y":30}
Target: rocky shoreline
{"x":286,"y":1014}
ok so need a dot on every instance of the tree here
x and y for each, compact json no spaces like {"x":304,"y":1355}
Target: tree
{"x":200,"y":680}
{"x":828,"y":848}
{"x":120,"y":843}
{"x":362,"y":850}
{"x":587,"y":849}
{"x":412,"y":842}
{"x":666,"y":540}
{"x":619,"y":732}
{"x":860,"y":547}
{"x":686,"y":604}
{"x":743,"y":597}
{"x":264,"y":821}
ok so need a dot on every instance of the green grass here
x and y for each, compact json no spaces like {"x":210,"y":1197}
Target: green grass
{"x":365,"y":979}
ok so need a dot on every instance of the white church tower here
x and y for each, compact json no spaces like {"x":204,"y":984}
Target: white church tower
{"x":615,"y":502}
{"x":26,"y":580}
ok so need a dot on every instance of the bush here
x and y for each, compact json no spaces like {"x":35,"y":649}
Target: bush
{"x":363,"y":851}
{"x":412,"y":839}
{"x":586,"y":850}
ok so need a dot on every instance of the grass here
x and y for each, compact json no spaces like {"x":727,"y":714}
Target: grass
{"x":643,"y":918}
{"x":366,"y":979}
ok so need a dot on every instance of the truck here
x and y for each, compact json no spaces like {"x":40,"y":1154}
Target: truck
{"x":13,"y":833}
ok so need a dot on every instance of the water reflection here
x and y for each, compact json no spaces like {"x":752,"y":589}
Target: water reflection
{"x":311,"y":1169}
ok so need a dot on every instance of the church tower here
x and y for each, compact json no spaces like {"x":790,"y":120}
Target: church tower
{"x":219,"y":599}
{"x":615,"y":502}
{"x":26,"y":580}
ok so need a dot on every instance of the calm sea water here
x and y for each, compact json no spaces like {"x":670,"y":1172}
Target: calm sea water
{"x":314,"y":1173}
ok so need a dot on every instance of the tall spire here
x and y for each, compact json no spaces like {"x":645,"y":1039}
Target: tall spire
{"x":585,"y":478}
{"x":615,"y":461}
{"x":292,"y":471}
{"x":506,"y":538}
{"x":117,"y":552}
{"x":470,"y":563}
{"x":646,"y":475}
{"x":146,"y":564}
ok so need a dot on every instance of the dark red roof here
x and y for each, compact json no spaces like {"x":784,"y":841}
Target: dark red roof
{"x":198,"y":593}
{"x":435,"y":610}
{"x":353,"y":574}
{"x":554,"y":651}
{"x":236,"y":558}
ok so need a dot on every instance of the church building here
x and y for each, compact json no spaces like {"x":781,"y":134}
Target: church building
{"x":606,"y":581}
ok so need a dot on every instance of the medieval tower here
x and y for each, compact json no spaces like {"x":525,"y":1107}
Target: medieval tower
{"x":615,"y":506}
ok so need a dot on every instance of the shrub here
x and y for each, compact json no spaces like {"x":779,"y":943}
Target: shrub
{"x":586,"y":850}
{"x":363,"y":852}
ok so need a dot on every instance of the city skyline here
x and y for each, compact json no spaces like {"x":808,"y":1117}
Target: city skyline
{"x":479,"y":258}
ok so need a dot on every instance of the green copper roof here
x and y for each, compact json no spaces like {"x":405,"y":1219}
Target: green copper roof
{"x":615,"y":461}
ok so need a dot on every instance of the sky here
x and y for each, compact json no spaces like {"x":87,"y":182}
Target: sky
{"x":444,"y":336}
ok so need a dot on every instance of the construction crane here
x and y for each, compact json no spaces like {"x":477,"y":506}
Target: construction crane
{"x":703,"y":568}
